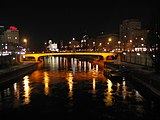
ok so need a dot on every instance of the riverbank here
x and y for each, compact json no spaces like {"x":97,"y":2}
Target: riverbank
{"x":9,"y":74}
{"x":146,"y":79}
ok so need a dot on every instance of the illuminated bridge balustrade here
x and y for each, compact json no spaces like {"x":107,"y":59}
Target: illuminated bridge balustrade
{"x":36,"y":56}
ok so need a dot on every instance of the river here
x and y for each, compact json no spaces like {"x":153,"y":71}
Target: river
{"x":72,"y":88}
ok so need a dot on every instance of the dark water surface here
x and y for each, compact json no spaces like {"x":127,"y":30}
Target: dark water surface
{"x":67,"y":88}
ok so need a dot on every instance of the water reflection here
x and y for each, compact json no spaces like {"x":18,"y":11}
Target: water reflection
{"x":93,"y":94}
{"x":96,"y":68}
{"x":27,"y":90}
{"x":73,"y":65}
{"x":94,"y":75}
{"x":16,"y":91}
{"x":118,"y":88}
{"x":90,"y":66}
{"x":46,"y":83}
{"x":7,"y":92}
{"x":85,"y":66}
{"x":94,"y":86}
{"x":70,"y":84}
{"x":124,"y":91}
{"x":79,"y":66}
{"x":108,"y":95}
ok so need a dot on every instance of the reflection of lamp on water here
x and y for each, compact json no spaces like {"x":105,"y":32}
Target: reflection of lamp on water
{"x":26,"y":90}
{"x":70,"y":83}
{"x":124,"y":92}
{"x":46,"y":82}
{"x":108,"y":95}
{"x":16,"y":91}
{"x":94,"y":86}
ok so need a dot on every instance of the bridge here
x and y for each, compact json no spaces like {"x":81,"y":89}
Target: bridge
{"x":107,"y":57}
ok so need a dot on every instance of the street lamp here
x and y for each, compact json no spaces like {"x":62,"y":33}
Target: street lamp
{"x":109,"y":43}
{"x":119,"y":47}
{"x":25,"y":43}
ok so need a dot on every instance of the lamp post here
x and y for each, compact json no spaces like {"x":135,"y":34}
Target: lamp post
{"x":119,"y":47}
{"x":25,"y":43}
{"x":109,"y":43}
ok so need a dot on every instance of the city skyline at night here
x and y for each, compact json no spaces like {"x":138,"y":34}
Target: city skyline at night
{"x":61,"y":21}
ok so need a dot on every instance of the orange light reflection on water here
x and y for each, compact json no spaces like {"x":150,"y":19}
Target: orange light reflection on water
{"x":46,"y":83}
{"x":27,"y":90}
{"x":108,"y":95}
{"x":70,"y":83}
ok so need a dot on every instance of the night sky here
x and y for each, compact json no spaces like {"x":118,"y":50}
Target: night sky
{"x":41,"y":21}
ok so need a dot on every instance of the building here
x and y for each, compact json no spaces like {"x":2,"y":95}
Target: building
{"x":53,"y":47}
{"x":10,"y":43}
{"x":104,"y":42}
{"x":1,"y":30}
{"x":74,"y":45}
{"x":84,"y":43}
{"x":132,"y":36}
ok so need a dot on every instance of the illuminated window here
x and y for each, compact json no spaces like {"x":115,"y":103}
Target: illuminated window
{"x":6,"y":47}
{"x":9,"y":37}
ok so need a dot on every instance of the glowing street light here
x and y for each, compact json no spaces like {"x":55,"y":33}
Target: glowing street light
{"x":109,"y":39}
{"x":119,"y":42}
{"x":25,"y":41}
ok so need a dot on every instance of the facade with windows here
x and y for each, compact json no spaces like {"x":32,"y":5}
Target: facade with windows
{"x":133,"y":38}
{"x":74,"y":45}
{"x":10,"y":43}
{"x":104,"y":42}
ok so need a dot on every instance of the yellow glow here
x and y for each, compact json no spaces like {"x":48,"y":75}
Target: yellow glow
{"x":16,"y":91}
{"x":85,"y":65}
{"x":46,"y":82}
{"x":25,"y":40}
{"x":94,"y":85}
{"x":130,"y":41}
{"x":109,"y":39}
{"x":70,"y":84}
{"x":37,"y":55}
{"x":89,"y":66}
{"x":26,"y":90}
{"x":79,"y":65}
{"x":108,"y":95}
{"x":119,"y":42}
{"x":118,"y":88}
{"x":96,"y":68}
{"x":124,"y":92}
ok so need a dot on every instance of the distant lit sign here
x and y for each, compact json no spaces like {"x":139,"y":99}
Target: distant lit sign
{"x":12,"y":28}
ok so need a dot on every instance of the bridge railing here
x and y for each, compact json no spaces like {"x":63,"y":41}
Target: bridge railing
{"x":109,"y":57}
